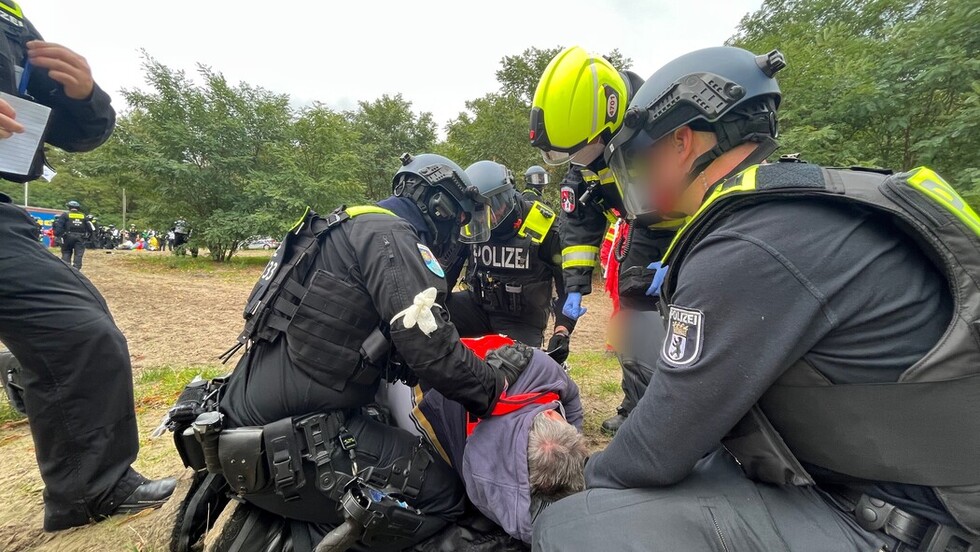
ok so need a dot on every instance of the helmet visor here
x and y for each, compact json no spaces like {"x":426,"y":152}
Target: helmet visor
{"x":500,"y":206}
{"x":584,"y":156}
{"x":632,"y":180}
{"x":538,"y":179}
{"x":477,"y":230}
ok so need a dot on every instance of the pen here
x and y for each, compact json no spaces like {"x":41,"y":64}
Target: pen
{"x":25,"y":78}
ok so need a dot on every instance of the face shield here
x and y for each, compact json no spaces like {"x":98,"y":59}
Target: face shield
{"x":584,"y":156}
{"x":537,"y":179}
{"x":626,"y":158}
{"x":477,"y":230}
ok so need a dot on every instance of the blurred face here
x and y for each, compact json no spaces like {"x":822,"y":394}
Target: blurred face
{"x":666,"y":169}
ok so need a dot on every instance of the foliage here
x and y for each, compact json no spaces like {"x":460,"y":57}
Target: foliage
{"x":891,"y":83}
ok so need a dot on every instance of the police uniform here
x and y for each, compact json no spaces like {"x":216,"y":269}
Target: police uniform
{"x":583,"y":229}
{"x":331,"y":290}
{"x":812,"y":331}
{"x":77,"y":379}
{"x":75,"y":231}
{"x":509,"y":281}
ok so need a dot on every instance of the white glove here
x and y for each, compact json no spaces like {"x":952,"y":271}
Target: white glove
{"x":420,"y":312}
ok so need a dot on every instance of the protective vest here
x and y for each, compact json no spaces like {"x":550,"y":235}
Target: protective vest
{"x":13,"y":54}
{"x":923,"y":429}
{"x":76,"y":224}
{"x":508,"y":276}
{"x":328,"y":323}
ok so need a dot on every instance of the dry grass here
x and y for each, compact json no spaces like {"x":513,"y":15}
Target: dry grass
{"x":179,"y":314}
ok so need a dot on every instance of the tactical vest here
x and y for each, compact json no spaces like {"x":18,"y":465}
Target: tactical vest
{"x":923,"y":429}
{"x":329,"y":324}
{"x":509,"y":276}
{"x":13,"y":55}
{"x":76,"y":224}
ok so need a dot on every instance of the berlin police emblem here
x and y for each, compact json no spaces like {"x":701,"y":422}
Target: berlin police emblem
{"x":567,"y":199}
{"x":685,"y":333}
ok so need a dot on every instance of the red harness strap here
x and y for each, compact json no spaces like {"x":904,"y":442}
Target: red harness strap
{"x":512,"y":403}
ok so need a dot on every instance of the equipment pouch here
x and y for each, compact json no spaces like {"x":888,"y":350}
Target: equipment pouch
{"x":243,"y":460}
{"x":328,"y":328}
{"x":635,"y":281}
{"x":763,"y":454}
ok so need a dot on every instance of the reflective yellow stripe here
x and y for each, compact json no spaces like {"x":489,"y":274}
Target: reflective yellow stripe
{"x":537,"y":223}
{"x":743,"y":182}
{"x":426,"y":426}
{"x":935,"y":188}
{"x":15,"y":9}
{"x":580,"y":256}
{"x":299,"y":222}
{"x":70,"y":214}
{"x":669,"y":224}
{"x":368,"y":210}
{"x":610,"y":233}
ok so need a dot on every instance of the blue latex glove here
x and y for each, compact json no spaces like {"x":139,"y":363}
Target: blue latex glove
{"x":573,"y":306}
{"x":658,"y":278}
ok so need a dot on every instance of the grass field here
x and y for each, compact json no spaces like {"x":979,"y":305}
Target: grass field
{"x":179,"y":314}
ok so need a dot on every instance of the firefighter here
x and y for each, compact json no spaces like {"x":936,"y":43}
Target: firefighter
{"x":578,"y":107}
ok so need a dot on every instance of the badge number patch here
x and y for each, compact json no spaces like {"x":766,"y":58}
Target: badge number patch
{"x":430,"y":261}
{"x":567,"y":199}
{"x":685,"y":336}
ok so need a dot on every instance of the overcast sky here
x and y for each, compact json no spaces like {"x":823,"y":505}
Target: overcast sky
{"x":437,"y":53}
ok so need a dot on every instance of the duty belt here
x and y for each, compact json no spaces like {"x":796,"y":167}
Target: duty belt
{"x":918,"y":533}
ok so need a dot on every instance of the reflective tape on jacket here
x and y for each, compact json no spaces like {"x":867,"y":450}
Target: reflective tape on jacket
{"x":580,"y":256}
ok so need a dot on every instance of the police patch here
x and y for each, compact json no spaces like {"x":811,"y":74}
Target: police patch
{"x":430,"y":261}
{"x":568,"y":199}
{"x":685,"y":335}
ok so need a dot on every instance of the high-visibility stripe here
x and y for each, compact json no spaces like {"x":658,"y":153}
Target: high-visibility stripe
{"x":580,"y":256}
{"x":742,"y":182}
{"x":367,"y":210}
{"x":935,"y":188}
{"x":14,"y":9}
{"x":537,"y":223}
{"x":70,"y":214}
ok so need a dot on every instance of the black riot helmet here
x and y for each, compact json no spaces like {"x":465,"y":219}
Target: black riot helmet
{"x":494,"y":184}
{"x":73,"y":205}
{"x":440,"y":189}
{"x":728,"y":91}
{"x":536,"y":177}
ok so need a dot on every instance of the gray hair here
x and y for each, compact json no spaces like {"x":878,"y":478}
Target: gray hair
{"x":556,"y":454}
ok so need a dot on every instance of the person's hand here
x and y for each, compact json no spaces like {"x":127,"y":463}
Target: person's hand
{"x":8,"y":123}
{"x":558,"y":345}
{"x":510,"y":360}
{"x":65,"y":67}
{"x":573,"y":306}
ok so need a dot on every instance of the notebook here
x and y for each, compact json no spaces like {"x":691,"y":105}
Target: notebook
{"x":17,"y":152}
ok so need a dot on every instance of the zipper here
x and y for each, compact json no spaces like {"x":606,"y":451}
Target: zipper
{"x":721,"y":538}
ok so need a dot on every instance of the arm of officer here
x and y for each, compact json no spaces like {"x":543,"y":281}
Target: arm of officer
{"x":749,"y":314}
{"x":550,"y":253}
{"x":582,"y":229}
{"x":81,"y":115}
{"x":394,"y":271}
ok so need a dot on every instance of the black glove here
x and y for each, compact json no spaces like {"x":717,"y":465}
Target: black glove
{"x":558,"y":347}
{"x":511,"y":360}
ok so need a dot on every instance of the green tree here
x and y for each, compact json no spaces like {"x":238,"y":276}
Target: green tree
{"x":890,"y":83}
{"x":388,"y":128}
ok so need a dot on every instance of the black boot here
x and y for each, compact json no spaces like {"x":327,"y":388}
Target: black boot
{"x":611,"y":425}
{"x":151,"y":494}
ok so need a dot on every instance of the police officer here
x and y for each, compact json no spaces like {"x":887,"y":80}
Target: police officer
{"x":342,"y":297}
{"x":511,"y":270}
{"x":576,"y":91}
{"x":535,"y":179}
{"x":75,"y":230}
{"x":819,"y":326}
{"x":77,"y":379}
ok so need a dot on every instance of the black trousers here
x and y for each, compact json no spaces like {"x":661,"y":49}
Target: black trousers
{"x":715,"y":508}
{"x":646,"y":246}
{"x":77,"y":378}
{"x":73,"y":249}
{"x":471,"y":320}
{"x":441,"y":498}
